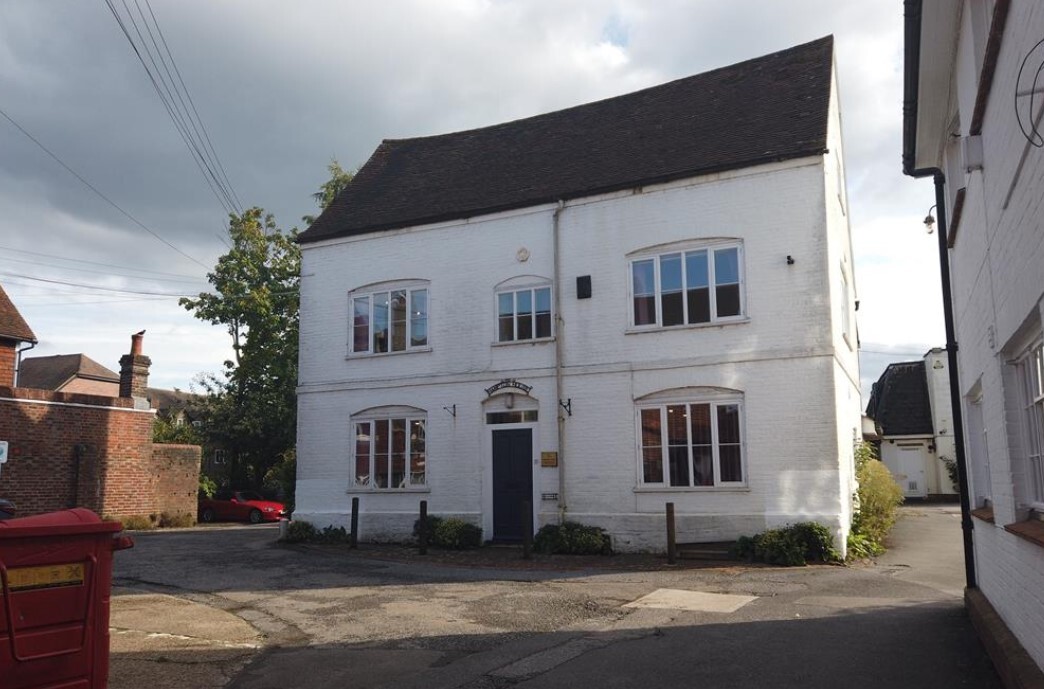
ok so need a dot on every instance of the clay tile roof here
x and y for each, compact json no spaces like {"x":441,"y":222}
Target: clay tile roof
{"x":51,"y":372}
{"x":899,"y":403}
{"x":12,"y":325}
{"x":767,"y":109}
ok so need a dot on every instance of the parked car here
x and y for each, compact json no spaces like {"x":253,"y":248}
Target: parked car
{"x":240,"y":505}
{"x":7,"y":509}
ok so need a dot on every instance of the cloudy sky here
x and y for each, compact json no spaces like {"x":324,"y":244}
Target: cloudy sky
{"x":285,"y":87}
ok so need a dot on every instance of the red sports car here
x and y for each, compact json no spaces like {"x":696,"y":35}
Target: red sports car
{"x":240,"y":505}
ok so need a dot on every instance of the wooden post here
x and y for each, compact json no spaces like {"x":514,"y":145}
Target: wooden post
{"x":527,"y":530}
{"x":672,"y":546}
{"x":353,"y":540}
{"x":423,"y":528}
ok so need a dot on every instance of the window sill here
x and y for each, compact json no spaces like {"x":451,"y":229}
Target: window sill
{"x":687,"y":326}
{"x":387,"y":491}
{"x":1031,"y":530}
{"x":692,"y":489}
{"x":984,"y":513}
{"x":515,"y":343}
{"x":371,"y":355}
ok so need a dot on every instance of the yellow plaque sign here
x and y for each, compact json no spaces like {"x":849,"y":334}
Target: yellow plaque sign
{"x":46,"y":576}
{"x":548,"y":459}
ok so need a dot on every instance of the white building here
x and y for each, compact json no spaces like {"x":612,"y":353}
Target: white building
{"x":600,"y":310}
{"x":970,"y":120}
{"x":910,"y":405}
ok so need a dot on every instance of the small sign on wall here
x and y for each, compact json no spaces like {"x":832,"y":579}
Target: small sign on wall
{"x":548,"y":459}
{"x":3,"y":453}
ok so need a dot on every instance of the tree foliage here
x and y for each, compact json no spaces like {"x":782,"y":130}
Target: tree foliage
{"x":251,"y":408}
{"x":163,"y":431}
{"x":339,"y":179}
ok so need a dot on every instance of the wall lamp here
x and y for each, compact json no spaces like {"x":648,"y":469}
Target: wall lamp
{"x":929,"y":221}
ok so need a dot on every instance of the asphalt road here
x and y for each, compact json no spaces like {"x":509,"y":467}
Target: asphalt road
{"x":318,"y":618}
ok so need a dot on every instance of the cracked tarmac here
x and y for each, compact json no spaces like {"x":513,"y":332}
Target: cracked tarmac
{"x":215,"y":607}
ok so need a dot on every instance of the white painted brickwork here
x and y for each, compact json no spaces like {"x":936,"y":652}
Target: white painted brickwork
{"x":998,"y":283}
{"x":800,"y":393}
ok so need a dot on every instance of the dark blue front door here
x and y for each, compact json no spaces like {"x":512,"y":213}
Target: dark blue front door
{"x":512,"y":481}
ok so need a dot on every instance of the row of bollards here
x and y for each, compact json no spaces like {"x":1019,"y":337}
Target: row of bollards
{"x":527,"y":530}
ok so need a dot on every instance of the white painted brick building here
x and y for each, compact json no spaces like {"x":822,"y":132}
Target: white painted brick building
{"x":965,"y":105}
{"x":672,"y":303}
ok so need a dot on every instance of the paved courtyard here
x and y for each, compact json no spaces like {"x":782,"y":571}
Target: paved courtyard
{"x":227,"y":606}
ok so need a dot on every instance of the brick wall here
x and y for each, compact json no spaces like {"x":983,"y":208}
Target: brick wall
{"x":76,"y":450}
{"x":175,"y":478}
{"x":8,"y":357}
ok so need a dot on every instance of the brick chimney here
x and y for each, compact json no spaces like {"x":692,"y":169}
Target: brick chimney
{"x":134,"y":373}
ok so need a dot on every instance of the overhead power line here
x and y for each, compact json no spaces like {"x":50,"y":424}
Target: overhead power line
{"x":173,"y":93}
{"x":90,"y":186}
{"x":99,"y":272}
{"x":98,"y":263}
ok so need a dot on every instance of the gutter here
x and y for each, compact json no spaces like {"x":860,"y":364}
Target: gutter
{"x":911,"y":85}
{"x":559,"y":353}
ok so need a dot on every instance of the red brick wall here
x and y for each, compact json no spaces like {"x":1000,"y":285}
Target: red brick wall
{"x":8,"y":357}
{"x":175,"y":471}
{"x":75,"y":450}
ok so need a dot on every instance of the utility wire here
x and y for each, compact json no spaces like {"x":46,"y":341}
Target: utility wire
{"x":192,"y":103}
{"x":98,"y":193}
{"x":93,"y":287}
{"x":170,"y":95}
{"x":96,"y":263}
{"x":98,"y":272}
{"x":179,"y":126}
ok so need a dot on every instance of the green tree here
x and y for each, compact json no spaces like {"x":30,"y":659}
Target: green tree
{"x":328,"y":191}
{"x":251,"y":409}
{"x":163,"y":431}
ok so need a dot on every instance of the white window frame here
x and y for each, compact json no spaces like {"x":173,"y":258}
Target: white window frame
{"x":532,"y":289}
{"x":370,"y":293}
{"x":714,"y":403}
{"x":683,"y":249}
{"x":1031,"y":402}
{"x":407,"y":485}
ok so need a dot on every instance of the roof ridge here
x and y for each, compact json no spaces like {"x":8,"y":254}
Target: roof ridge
{"x":829,"y":38}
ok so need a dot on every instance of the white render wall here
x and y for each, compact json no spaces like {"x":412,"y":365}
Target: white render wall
{"x":998,"y":282}
{"x":800,"y":393}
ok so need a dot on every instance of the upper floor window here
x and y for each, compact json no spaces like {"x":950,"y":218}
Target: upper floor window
{"x":691,"y":444}
{"x":392,"y":320}
{"x":688,"y":287}
{"x":524,"y":314}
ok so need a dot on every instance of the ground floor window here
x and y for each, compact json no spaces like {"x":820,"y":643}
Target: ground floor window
{"x":1031,"y":372}
{"x":390,"y":453}
{"x":691,"y":444}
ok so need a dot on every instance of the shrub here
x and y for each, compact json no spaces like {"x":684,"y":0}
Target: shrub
{"x":207,"y":486}
{"x":951,"y":471}
{"x":457,"y":534}
{"x":176,"y":521}
{"x":861,"y":547}
{"x":450,"y":533}
{"x":137,"y":522}
{"x":572,"y":538}
{"x":879,"y":497}
{"x":299,"y":531}
{"x":790,"y":546}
